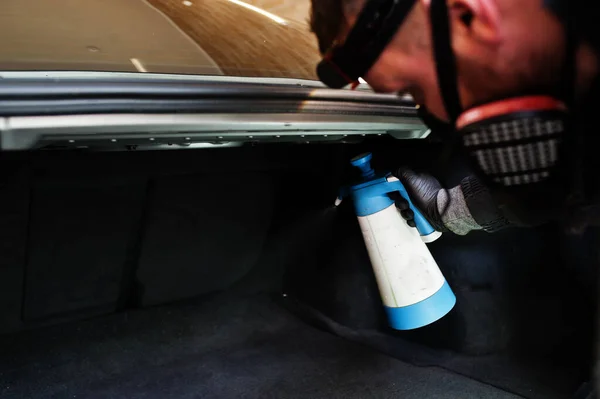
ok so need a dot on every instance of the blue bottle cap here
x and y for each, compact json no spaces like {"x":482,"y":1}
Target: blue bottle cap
{"x":363,"y":162}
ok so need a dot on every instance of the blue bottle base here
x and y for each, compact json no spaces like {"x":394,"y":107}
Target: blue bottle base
{"x":422,"y":313}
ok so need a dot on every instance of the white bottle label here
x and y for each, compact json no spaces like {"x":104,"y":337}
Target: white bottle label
{"x":406,"y":272}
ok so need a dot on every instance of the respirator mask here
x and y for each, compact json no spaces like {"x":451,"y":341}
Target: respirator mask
{"x":516,"y":145}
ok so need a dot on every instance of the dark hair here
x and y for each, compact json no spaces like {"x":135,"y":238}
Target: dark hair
{"x":327,"y":19}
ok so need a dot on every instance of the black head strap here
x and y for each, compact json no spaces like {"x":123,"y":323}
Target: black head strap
{"x":445,"y":62}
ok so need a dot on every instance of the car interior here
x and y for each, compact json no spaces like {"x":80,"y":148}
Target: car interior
{"x":197,"y":253}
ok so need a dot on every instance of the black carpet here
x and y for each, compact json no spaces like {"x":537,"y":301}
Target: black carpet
{"x":521,"y":374}
{"x":245,"y":347}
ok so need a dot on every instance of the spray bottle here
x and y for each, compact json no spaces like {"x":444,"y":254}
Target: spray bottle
{"x":412,"y":287}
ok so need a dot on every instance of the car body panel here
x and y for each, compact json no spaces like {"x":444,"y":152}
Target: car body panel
{"x":208,"y":38}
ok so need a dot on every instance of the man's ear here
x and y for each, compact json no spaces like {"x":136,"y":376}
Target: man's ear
{"x":480,"y":19}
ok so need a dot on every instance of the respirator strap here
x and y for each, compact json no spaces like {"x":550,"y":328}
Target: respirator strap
{"x":445,"y":61}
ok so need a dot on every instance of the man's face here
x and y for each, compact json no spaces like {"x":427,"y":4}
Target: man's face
{"x":407,"y":65}
{"x":398,"y":72}
{"x":486,"y":44}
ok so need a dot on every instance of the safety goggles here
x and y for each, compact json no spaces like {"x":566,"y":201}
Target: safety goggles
{"x":377,"y":24}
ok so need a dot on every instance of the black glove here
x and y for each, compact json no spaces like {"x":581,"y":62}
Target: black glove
{"x":422,"y":190}
{"x":464,"y":208}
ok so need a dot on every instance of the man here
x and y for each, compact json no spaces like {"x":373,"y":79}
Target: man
{"x":514,"y":82}
{"x":500,"y":54}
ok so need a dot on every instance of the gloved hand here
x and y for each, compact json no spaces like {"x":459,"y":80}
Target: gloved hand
{"x":448,"y":210}
{"x":404,"y":208}
{"x":423,"y":191}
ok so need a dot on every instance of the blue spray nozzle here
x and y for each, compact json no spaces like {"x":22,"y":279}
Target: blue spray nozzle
{"x":363,"y":162}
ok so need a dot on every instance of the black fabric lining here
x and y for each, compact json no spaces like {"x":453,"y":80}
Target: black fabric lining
{"x":129,"y":290}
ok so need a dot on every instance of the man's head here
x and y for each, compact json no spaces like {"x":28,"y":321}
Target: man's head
{"x":502,"y":48}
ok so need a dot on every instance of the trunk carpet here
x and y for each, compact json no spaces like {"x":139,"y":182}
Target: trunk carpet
{"x":529,"y":377}
{"x":223,"y":347}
